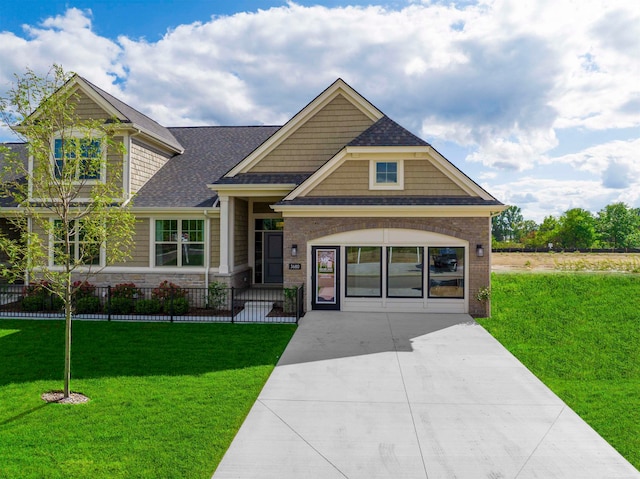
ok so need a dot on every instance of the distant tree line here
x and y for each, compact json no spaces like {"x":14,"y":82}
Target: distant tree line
{"x":616,"y":226}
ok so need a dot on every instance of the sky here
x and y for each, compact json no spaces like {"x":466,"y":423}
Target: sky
{"x":537,"y":101}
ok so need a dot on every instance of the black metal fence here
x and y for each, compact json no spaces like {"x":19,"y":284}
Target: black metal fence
{"x":218,"y":303}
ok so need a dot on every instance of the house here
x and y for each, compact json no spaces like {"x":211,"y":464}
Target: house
{"x":342,"y":199}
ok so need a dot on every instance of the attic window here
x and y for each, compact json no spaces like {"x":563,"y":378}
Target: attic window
{"x":78,"y":158}
{"x":386,"y":175}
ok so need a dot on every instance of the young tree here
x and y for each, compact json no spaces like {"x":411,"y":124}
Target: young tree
{"x":504,"y":226}
{"x":69,"y":217}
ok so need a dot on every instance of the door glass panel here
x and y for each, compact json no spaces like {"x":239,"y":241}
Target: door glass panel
{"x":446,"y":272}
{"x":326,"y":289}
{"x":364,"y":271}
{"x":405,"y":271}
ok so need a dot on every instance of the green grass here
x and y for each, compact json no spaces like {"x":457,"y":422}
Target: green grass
{"x":166,"y":399}
{"x":580,"y":334}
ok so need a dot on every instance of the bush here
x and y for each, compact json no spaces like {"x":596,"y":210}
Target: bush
{"x":218,"y":293}
{"x":125,"y":290}
{"x":37,"y":297}
{"x":147,"y":306}
{"x":180,"y":306}
{"x":168,"y":290}
{"x":83,"y":289}
{"x":88,"y":305}
{"x":120,"y":305}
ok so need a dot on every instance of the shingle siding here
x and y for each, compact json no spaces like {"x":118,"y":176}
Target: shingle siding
{"x":317,"y":140}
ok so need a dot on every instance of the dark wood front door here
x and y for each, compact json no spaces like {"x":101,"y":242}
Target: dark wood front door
{"x":273,"y":261}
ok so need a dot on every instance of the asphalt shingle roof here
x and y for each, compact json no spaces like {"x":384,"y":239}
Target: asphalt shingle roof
{"x":386,"y":132}
{"x":264,"y":178}
{"x":210,"y":151}
{"x":139,"y":119}
{"x":23,"y":154}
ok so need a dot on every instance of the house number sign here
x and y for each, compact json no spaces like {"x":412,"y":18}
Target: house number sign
{"x":295,"y":266}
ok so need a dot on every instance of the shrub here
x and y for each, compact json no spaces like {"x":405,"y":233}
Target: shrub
{"x":290,"y":299}
{"x":125,"y":290}
{"x":148,"y":306}
{"x":218,"y":293}
{"x":168,"y":290}
{"x":177,"y":306}
{"x":83,"y":289}
{"x":121,"y":305}
{"x":37,"y":297}
{"x":88,"y":305}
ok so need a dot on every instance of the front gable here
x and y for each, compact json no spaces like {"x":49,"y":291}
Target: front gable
{"x":314,"y":135}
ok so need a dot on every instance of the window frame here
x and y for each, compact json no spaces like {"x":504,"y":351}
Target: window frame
{"x":346,"y":272}
{"x":76,"y":245}
{"x":373,"y":177}
{"x":179,"y":243}
{"x":458,"y":266}
{"x":389,"y":256}
{"x":78,"y":177}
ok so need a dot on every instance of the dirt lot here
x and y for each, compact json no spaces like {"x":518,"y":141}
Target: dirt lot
{"x":551,"y":261}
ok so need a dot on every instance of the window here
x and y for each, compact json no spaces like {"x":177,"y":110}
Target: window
{"x":82,"y":157}
{"x":364,"y":271}
{"x":405,"y":271}
{"x":386,"y":175}
{"x":81,"y":250}
{"x":446,"y":272}
{"x":179,"y":243}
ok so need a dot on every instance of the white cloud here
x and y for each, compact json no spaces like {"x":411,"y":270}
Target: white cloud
{"x":497,"y":77}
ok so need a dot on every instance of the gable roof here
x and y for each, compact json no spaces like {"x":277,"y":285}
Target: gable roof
{"x":209,"y":152}
{"x":339,"y":87}
{"x":386,"y":132}
{"x":127,"y":114}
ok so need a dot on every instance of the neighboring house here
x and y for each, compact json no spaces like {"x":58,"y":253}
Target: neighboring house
{"x":342,"y":199}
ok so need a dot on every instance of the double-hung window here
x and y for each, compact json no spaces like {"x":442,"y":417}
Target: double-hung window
{"x":81,"y":249}
{"x":78,"y":158}
{"x":179,"y":243}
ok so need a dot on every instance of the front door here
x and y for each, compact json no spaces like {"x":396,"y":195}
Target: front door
{"x":325,"y":277}
{"x":273,"y":261}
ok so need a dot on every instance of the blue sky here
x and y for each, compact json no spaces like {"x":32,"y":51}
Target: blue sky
{"x":539,"y":102}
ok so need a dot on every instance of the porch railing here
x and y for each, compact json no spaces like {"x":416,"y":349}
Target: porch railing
{"x":219,"y":304}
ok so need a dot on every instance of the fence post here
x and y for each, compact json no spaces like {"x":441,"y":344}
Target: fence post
{"x":109,"y":303}
{"x":233,"y":301}
{"x":171,"y":304}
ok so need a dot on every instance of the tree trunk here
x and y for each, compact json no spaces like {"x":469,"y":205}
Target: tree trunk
{"x":67,"y":338}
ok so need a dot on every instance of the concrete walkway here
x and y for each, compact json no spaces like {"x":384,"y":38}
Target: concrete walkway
{"x":370,"y":395}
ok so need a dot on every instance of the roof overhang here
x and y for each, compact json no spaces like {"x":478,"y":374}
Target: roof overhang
{"x":253,"y":190}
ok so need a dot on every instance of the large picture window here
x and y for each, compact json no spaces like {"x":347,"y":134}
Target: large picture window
{"x":81,"y":250}
{"x":78,"y":158}
{"x":405,"y":276}
{"x":446,"y":272}
{"x":364,"y":271}
{"x":179,"y":243}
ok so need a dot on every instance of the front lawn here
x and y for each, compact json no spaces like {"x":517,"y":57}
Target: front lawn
{"x":166,"y":399}
{"x":580,"y":334}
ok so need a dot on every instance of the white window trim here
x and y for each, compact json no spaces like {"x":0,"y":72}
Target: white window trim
{"x":84,"y":267}
{"x":153,"y":243}
{"x":374,"y":185}
{"x":103,"y":152}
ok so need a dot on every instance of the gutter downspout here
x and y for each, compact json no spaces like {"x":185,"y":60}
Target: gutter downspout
{"x":207,"y":251}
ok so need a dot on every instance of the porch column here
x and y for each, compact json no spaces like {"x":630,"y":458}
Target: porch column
{"x":226,"y":234}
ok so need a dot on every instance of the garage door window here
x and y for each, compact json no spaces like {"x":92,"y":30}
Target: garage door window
{"x":364,"y":272}
{"x":446,"y":272}
{"x":405,"y":272}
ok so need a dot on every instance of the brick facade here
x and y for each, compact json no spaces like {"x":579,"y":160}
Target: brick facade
{"x":476,"y":230}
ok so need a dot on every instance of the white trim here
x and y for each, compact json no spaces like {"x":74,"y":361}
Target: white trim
{"x":254,"y":190}
{"x":391,"y":211}
{"x":373,"y":169}
{"x":339,"y":87}
{"x":224,"y":235}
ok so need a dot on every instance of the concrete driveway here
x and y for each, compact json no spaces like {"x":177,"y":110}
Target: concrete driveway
{"x":372,"y":395}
